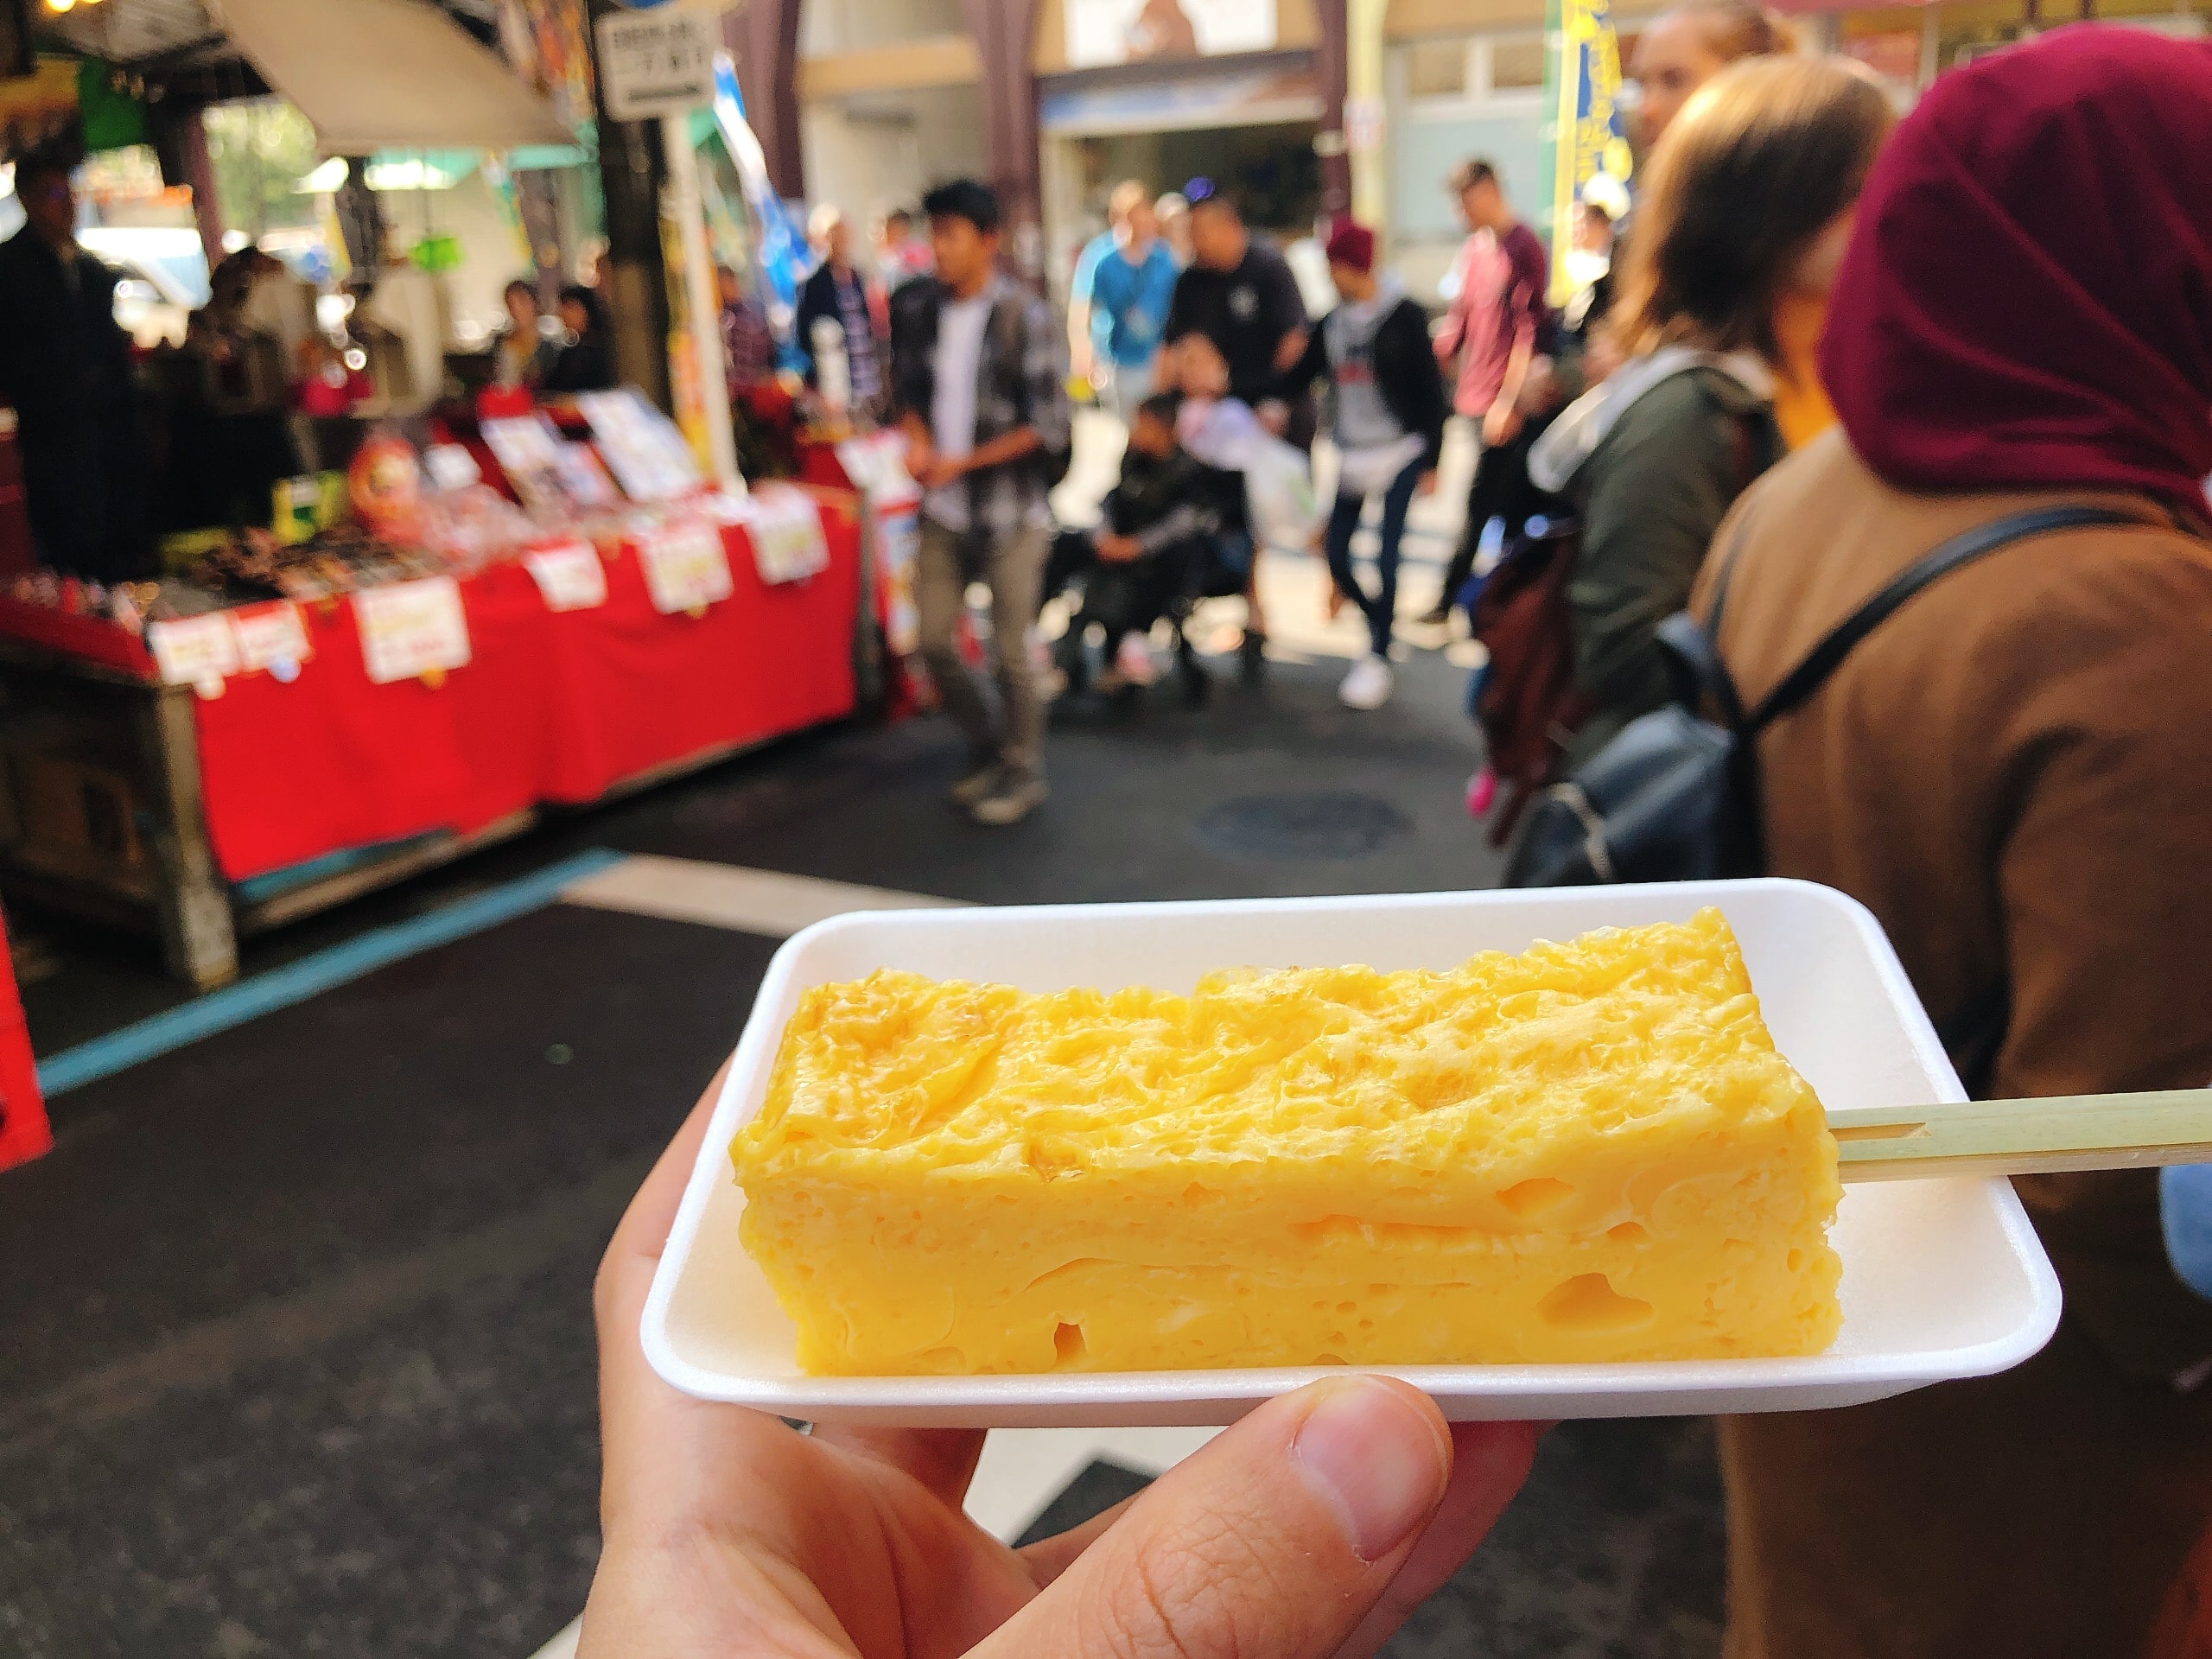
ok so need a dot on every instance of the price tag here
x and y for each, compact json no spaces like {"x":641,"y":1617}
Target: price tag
{"x":788,"y":544}
{"x":451,"y":467}
{"x":195,"y":651}
{"x":411,"y":629}
{"x":271,"y":637}
{"x":685,"y":567}
{"x":569,"y":576}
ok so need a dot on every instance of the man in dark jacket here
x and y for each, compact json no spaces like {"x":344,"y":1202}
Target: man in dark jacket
{"x":65,"y":366}
{"x":1388,"y":425}
{"x":1172,"y":528}
{"x":979,"y":386}
{"x":836,"y":294}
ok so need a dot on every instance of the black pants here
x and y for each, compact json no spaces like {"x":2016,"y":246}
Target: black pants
{"x":1502,"y":490}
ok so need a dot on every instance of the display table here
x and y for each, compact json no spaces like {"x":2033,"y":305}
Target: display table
{"x":209,"y":816}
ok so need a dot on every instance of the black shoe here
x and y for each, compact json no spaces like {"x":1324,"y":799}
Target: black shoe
{"x":1251,"y":656}
{"x":1191,"y":675}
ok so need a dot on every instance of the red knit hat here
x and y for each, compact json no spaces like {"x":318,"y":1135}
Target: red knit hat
{"x":1351,"y":244}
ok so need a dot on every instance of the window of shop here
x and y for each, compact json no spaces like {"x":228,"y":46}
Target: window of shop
{"x":1480,"y":70}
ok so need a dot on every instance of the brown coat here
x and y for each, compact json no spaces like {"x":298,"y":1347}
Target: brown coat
{"x":2015,"y":774}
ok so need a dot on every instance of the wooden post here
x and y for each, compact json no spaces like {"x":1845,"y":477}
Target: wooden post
{"x":1332,"y":67}
{"x":180,"y":140}
{"x":634,"y":282}
{"x":199,"y":940}
{"x":763,"y":40}
{"x":1004,"y":30}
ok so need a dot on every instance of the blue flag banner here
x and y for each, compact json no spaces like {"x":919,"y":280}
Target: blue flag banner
{"x":783,"y":253}
{"x":1589,"y":139}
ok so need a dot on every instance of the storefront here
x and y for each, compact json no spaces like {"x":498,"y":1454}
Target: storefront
{"x":891,"y":101}
{"x":542,"y":608}
{"x":450,"y":609}
{"x":1227,"y":91}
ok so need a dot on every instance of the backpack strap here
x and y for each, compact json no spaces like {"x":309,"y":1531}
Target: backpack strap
{"x":1801,"y":682}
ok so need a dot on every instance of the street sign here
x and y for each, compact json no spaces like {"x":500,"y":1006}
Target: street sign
{"x":656,"y":63}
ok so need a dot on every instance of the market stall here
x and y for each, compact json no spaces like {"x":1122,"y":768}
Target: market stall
{"x":293,"y":722}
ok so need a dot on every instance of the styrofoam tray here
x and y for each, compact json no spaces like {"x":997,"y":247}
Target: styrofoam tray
{"x":1941,"y":1279}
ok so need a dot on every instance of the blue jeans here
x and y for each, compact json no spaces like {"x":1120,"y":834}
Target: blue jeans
{"x":1343,"y":523}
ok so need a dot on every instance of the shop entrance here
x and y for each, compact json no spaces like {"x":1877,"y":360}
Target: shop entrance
{"x":1246,"y":129}
{"x":1271,"y":171}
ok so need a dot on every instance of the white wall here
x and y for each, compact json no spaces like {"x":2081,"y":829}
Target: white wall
{"x":492,"y":252}
{"x":829,"y":26}
{"x":867,"y":153}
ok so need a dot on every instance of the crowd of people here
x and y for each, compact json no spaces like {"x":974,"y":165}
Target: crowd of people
{"x":1832,"y":342}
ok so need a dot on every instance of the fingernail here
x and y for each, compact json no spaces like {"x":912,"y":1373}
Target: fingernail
{"x":1376,"y":1460}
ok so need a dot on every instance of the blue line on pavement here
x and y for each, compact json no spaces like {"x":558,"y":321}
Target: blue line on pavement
{"x":297,"y":981}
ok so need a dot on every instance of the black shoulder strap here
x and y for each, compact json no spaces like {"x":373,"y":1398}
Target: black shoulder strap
{"x":1801,"y":682}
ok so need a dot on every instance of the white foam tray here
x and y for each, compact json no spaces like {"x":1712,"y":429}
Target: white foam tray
{"x":1941,"y":1279}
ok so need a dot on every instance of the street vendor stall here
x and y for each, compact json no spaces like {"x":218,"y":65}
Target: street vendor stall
{"x":295,"y":723}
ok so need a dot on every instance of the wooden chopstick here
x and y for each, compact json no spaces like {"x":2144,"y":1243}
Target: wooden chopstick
{"x":2024,"y":1137}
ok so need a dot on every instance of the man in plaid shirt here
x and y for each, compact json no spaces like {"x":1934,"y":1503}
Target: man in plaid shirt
{"x":979,"y":385}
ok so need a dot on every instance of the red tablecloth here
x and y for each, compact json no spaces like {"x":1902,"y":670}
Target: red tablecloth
{"x":94,"y":638}
{"x":552,"y":707}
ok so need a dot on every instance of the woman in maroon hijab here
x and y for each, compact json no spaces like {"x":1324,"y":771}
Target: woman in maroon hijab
{"x":2014,"y":773}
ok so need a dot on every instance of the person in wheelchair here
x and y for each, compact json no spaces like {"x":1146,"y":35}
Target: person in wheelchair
{"x":1172,"y":533}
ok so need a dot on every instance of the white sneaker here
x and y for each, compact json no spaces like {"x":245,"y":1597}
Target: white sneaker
{"x":1134,"y":659}
{"x":1368,"y":685}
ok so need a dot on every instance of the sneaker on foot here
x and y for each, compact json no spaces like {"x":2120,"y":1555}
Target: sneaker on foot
{"x":1016,"y":795}
{"x":1134,"y":659}
{"x":1368,"y":685}
{"x":979,"y":780}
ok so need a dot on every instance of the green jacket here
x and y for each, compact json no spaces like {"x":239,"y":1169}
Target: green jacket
{"x":1650,"y":494}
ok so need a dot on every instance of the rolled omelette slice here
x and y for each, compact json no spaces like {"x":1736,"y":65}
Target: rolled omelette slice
{"x":1588,"y":1152}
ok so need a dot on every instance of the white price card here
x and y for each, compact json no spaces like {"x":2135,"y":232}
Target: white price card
{"x":685,"y":567}
{"x":451,"y":467}
{"x":785,"y":525}
{"x":271,"y":637}
{"x":411,"y":629}
{"x":568,"y":576}
{"x":195,"y":651}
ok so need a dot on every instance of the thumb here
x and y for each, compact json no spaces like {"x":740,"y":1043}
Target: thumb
{"x":1275,"y":1540}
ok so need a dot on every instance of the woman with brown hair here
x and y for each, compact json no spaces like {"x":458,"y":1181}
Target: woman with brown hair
{"x":1748,"y":207}
{"x":2014,"y":773}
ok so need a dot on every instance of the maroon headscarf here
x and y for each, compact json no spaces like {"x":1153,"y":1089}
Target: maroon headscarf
{"x":2027,"y":299}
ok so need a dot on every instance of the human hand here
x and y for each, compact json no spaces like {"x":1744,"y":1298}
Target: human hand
{"x":1539,"y":388}
{"x":1426,"y":484}
{"x":1500,"y":425}
{"x":939,"y":470}
{"x":1274,"y":414}
{"x":1082,"y":360}
{"x":921,"y":454}
{"x":1308,"y":1530}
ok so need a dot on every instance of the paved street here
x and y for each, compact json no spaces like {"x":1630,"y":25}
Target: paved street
{"x":301,"y":1358}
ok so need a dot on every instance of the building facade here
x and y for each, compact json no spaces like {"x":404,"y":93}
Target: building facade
{"x":1299,"y":106}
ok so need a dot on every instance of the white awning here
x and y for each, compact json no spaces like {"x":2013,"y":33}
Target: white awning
{"x":1252,"y":98}
{"x":387,"y":74}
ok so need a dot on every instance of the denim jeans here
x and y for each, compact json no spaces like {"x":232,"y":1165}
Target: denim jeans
{"x":1343,"y":524}
{"x":1010,"y":565}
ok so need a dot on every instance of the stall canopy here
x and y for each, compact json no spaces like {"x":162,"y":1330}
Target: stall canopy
{"x":386,"y":74}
